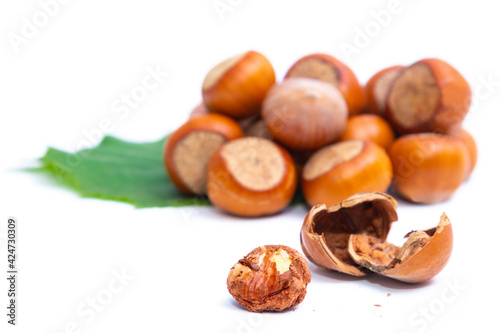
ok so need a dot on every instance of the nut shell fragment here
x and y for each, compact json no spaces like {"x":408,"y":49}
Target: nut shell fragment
{"x":325,"y":233}
{"x":269,"y":278}
{"x":422,"y":257}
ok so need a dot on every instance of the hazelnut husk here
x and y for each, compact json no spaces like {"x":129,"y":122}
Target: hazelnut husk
{"x":269,"y":278}
{"x":325,"y":233}
{"x":423,"y":255}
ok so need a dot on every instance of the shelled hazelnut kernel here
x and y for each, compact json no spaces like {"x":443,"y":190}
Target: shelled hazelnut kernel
{"x":428,"y":96}
{"x":369,"y":127}
{"x":428,"y":167}
{"x":329,"y":69}
{"x":377,"y":89}
{"x":269,"y":278}
{"x":251,"y":176}
{"x":237,"y":86}
{"x":188,"y":150}
{"x":338,"y":171}
{"x":304,"y":114}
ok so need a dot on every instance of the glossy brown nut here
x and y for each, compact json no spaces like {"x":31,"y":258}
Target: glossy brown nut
{"x":336,"y":172}
{"x":304,"y":114}
{"x":428,"y":96}
{"x":188,"y":150}
{"x":329,"y":69}
{"x":325,"y":233}
{"x":428,"y":167}
{"x":468,"y":140}
{"x":422,"y":257}
{"x":269,"y":278}
{"x":237,"y":86}
{"x":369,"y":127}
{"x":377,"y":88}
{"x":251,"y":176}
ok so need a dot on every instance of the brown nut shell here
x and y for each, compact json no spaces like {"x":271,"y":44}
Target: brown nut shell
{"x":377,"y":88}
{"x":428,"y":96}
{"x":369,"y":127}
{"x":326,"y":68}
{"x":304,"y":114}
{"x":325,"y":232}
{"x":428,"y":167}
{"x":470,"y":144}
{"x":422,"y":257}
{"x":237,"y":86}
{"x":251,"y":176}
{"x":269,"y":278}
{"x":336,"y":172}
{"x":188,"y":150}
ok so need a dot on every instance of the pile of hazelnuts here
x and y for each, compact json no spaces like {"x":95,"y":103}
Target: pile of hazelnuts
{"x":254,"y":142}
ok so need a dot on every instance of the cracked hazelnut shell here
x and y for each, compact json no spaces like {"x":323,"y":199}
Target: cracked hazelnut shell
{"x":269,"y":278}
{"x":251,"y":176}
{"x":237,"y":86}
{"x":304,"y":114}
{"x":188,"y":150}
{"x":326,"y":68}
{"x":335,"y":172}
{"x":423,"y":256}
{"x":428,"y":96}
{"x":325,"y":232}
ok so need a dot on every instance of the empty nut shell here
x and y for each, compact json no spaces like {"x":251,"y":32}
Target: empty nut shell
{"x":325,"y":233}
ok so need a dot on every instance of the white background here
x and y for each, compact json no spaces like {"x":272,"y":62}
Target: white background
{"x":59,"y":85}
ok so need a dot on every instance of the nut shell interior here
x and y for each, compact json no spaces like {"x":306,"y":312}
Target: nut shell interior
{"x":423,"y":255}
{"x":325,"y":233}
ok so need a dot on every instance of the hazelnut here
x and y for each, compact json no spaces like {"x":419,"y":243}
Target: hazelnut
{"x":188,"y":150}
{"x":423,"y":255}
{"x":237,"y":86}
{"x":325,"y":233}
{"x":428,"y":167}
{"x":428,"y":96}
{"x":259,"y":129}
{"x":199,"y":110}
{"x":377,"y":89}
{"x":251,"y":176}
{"x":335,"y":172}
{"x":369,"y":127}
{"x":304,"y":113}
{"x":470,"y":144}
{"x":329,"y":69}
{"x":269,"y":278}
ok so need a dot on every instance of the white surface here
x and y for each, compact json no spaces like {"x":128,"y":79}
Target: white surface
{"x":65,"y":81}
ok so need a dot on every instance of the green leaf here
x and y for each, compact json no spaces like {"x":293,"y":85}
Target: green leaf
{"x":118,"y":170}
{"x":121,"y":171}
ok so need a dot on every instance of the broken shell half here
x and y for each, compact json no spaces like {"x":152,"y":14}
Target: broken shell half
{"x":422,"y":257}
{"x":325,"y":233}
